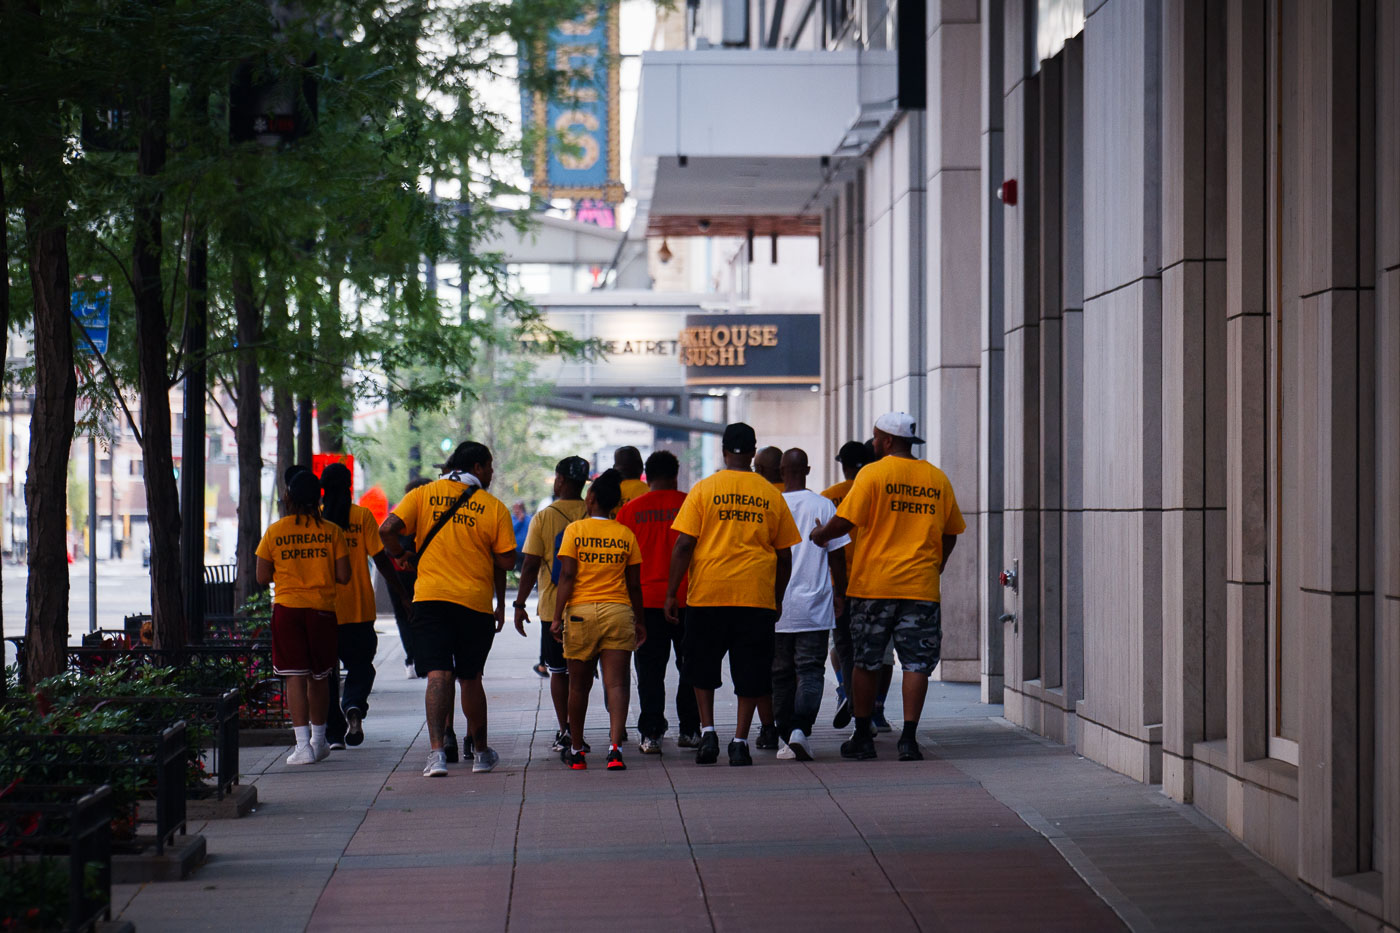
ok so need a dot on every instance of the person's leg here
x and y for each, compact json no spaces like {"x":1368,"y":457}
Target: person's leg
{"x":437,"y":701}
{"x":705,"y":706}
{"x":687,"y":712}
{"x":471,"y":647}
{"x":764,"y":707}
{"x":915,"y":690}
{"x":918,"y":637}
{"x":358,"y":644}
{"x":335,"y":716}
{"x":580,"y":683}
{"x":784,"y":682}
{"x":294,"y":688}
{"x":474,"y":708}
{"x":317,"y":696}
{"x":809,"y":665}
{"x":841,"y":644}
{"x":651,"y":659}
{"x":617,"y":683}
{"x":403,"y":622}
{"x":747,"y":706}
{"x":559,"y":696}
{"x":750,"y":643}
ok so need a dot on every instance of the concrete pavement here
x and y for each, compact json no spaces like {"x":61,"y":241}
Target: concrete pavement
{"x":995,"y":828}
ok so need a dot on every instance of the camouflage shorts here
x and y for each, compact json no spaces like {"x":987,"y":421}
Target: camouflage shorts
{"x":915,"y":627}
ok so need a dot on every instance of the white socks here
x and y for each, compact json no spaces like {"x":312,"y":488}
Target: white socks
{"x":303,"y":734}
{"x":318,"y":733}
{"x":704,"y":729}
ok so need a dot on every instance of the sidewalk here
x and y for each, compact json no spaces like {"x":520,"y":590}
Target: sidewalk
{"x":997,"y":830}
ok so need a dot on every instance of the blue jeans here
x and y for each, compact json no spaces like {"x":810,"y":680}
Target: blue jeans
{"x":799,"y":675}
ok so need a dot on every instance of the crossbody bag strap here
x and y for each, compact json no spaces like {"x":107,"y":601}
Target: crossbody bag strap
{"x":443,"y":519}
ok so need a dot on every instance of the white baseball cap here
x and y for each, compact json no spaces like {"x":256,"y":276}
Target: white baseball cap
{"x":898,"y":424}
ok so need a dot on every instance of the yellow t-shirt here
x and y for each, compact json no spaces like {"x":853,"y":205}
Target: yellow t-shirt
{"x":539,"y":541}
{"x":604,"y":550}
{"x":739,"y":522}
{"x":459,"y":566}
{"x":836,"y":494}
{"x":303,"y":554}
{"x":903,"y":509}
{"x":354,"y":602}
{"x":631,"y":489}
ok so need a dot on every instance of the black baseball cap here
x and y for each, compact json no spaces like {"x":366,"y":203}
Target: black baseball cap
{"x":853,"y":452}
{"x":739,"y":438}
{"x":573,"y":469}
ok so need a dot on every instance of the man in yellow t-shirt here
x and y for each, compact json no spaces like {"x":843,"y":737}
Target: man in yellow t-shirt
{"x":909,"y":522}
{"x":628,"y":462}
{"x":459,"y":571}
{"x":304,"y":557}
{"x":735,"y":540}
{"x":598,"y":614}
{"x":570,"y":475}
{"x":852,"y":456}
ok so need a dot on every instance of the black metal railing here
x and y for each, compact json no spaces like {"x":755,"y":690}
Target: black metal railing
{"x":136,"y":765}
{"x":56,"y":848}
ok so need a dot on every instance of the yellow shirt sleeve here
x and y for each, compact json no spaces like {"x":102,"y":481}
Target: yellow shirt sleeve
{"x":855,"y":508}
{"x":534,"y":538}
{"x":954,"y":525}
{"x":688,"y":519}
{"x":265,"y":546}
{"x":407,"y":511}
{"x":568,"y":546}
{"x":785,"y":534}
{"x":504,"y":541}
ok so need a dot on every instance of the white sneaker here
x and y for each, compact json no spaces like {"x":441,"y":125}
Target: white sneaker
{"x":785,"y":752}
{"x":321,"y":750}
{"x":437,"y":764}
{"x":797,"y":743}
{"x":302,"y":756}
{"x":485,"y":761}
{"x":409,"y":672}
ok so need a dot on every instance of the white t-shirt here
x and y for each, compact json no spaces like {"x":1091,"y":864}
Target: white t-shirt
{"x":807,"y":606}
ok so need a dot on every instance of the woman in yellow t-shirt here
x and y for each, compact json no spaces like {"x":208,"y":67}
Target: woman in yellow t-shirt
{"x":598,"y":613}
{"x":305,"y":558}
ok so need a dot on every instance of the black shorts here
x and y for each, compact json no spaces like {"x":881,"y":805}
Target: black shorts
{"x":551,"y":651}
{"x":744,"y":633}
{"x":451,"y":637}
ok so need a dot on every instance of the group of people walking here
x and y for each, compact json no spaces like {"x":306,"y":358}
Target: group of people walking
{"x":750,"y":565}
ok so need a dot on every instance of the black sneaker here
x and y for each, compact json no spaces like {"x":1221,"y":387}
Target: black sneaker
{"x":688,"y":740}
{"x":860,"y":746}
{"x":767,"y":737}
{"x":572,"y":761}
{"x":739,"y":756}
{"x":842,"y":719}
{"x":468,"y":749}
{"x":449,"y":746}
{"x":354,"y":728}
{"x":562,"y":740}
{"x":909,"y":750}
{"x":708,"y":752}
{"x":615,"y":762}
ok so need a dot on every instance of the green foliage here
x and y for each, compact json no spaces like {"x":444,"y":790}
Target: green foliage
{"x":34,"y":893}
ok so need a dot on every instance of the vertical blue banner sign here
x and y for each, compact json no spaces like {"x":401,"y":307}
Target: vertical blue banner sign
{"x":93,"y":313}
{"x":577,"y":155}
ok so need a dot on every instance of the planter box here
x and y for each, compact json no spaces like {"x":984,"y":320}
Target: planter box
{"x":62,"y":836}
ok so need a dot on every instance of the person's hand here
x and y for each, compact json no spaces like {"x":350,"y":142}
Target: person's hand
{"x":840,"y":602}
{"x":815,"y":537}
{"x":556,"y":629}
{"x":521,"y":617}
{"x":672,"y":610}
{"x":641,"y":633}
{"x":501,"y":617}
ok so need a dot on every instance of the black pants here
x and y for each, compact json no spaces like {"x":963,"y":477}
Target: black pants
{"x":845,"y":651}
{"x":356,"y":643}
{"x":403,"y":614}
{"x":651,"y":659}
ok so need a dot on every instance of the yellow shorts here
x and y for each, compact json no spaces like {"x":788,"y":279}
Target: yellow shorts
{"x":592,"y":628}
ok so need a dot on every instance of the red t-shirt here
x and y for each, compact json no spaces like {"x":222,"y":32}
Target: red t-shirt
{"x":649,"y":517}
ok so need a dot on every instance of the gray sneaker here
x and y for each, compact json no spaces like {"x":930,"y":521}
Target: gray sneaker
{"x":485,"y":760}
{"x":688,"y":740}
{"x":650,"y":746}
{"x":437,"y":764}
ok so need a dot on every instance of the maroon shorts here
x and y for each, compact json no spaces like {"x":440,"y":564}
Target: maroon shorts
{"x":303,"y":642}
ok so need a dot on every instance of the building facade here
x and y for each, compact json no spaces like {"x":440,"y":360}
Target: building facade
{"x":1135,"y":267}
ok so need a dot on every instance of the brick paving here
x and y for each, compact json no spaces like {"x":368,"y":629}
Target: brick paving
{"x":997,"y":830}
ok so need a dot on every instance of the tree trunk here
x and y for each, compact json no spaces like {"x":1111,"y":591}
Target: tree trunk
{"x":305,"y":407}
{"x":51,"y":424}
{"x":192,"y":474}
{"x":153,"y":377}
{"x":284,"y":409}
{"x":249,"y":431}
{"x":330,"y":416}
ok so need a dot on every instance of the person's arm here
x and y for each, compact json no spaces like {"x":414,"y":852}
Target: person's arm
{"x":781,"y":577}
{"x":506,"y":560}
{"x":834,"y":528}
{"x":529,"y":573}
{"x":264,"y":571}
{"x":836,"y":562}
{"x":949,"y":542}
{"x":500,"y":581}
{"x":389,"y":535}
{"x":634,"y":593}
{"x":680,"y":563}
{"x":568,"y":573}
{"x":342,"y":570}
{"x":385,"y":566}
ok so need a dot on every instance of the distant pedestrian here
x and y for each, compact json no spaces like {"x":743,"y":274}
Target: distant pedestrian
{"x":355,"y":611}
{"x":463,"y":546}
{"x":767,"y":463}
{"x":909,"y":521}
{"x":735,"y":541}
{"x":852,"y":456}
{"x":650,"y":517}
{"x":628,"y":462}
{"x":541,"y":564}
{"x":520,"y":524}
{"x":598,"y":615}
{"x":816,"y":588}
{"x":304,"y":557}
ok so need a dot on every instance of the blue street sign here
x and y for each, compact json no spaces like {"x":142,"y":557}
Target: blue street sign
{"x":94,"y":315}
